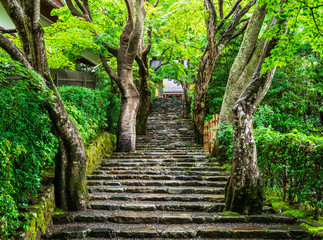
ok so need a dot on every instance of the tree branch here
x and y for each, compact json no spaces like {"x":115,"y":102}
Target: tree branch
{"x":14,"y":51}
{"x":75,"y":12}
{"x":109,"y":70}
{"x":148,"y":47}
{"x":233,"y":9}
{"x":240,"y":31}
{"x":137,"y":32}
{"x":220,"y":4}
{"x":8,"y":31}
{"x":16,"y":15}
{"x":162,"y":58}
{"x":156,"y":4}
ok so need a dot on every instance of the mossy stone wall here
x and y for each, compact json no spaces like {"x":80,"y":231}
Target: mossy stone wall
{"x":101,"y":146}
{"x":40,"y":215}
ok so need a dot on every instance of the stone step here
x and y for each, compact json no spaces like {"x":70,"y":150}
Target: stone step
{"x":156,"y":197}
{"x":158,"y":177}
{"x":162,"y":190}
{"x":189,"y":230}
{"x":156,"y":183}
{"x":158,"y":164}
{"x":160,"y":168}
{"x":158,"y":206}
{"x":158,"y":158}
{"x":160,"y":154}
{"x":142,"y":214}
{"x":160,"y":172}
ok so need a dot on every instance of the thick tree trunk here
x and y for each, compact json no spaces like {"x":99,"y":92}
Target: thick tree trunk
{"x":126,"y":129}
{"x":213,"y":49}
{"x":244,"y":65}
{"x":70,"y":179}
{"x":244,"y":190}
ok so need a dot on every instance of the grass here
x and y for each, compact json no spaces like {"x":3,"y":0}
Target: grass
{"x":299,"y":211}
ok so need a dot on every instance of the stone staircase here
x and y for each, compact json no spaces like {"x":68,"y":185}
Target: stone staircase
{"x":167,"y":189}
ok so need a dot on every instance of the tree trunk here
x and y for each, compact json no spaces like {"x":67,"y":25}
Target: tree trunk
{"x":126,"y":129}
{"x":244,"y":190}
{"x":244,"y":65}
{"x":70,"y":179}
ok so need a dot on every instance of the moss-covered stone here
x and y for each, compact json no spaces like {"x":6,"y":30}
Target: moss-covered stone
{"x":99,"y":147}
{"x":40,"y":215}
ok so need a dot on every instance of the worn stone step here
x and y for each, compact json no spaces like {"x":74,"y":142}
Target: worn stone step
{"x":158,"y":155}
{"x":188,"y":230}
{"x":170,"y":168}
{"x":169,"y":190}
{"x":160,"y":172}
{"x":171,"y":159}
{"x":158,"y":177}
{"x":156,"y":183}
{"x":159,"y":164}
{"x":160,"y":206}
{"x":157,"y":197}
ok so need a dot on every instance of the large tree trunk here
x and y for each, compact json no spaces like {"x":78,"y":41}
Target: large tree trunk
{"x":244,"y":190}
{"x":186,"y":101}
{"x":126,"y":129}
{"x":70,"y":179}
{"x":244,"y":65}
{"x":125,"y":54}
{"x":212,"y":51}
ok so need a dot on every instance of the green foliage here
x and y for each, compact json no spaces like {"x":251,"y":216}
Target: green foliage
{"x":294,"y":100}
{"x":26,"y":143}
{"x":91,"y":110}
{"x":292,"y":163}
{"x":224,"y":138}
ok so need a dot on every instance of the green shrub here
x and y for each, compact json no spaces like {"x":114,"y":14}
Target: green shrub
{"x":291,"y":163}
{"x":91,"y":110}
{"x":224,"y":141}
{"x":26,"y":144}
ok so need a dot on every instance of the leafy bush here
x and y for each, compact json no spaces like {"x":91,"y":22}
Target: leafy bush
{"x":290,"y":162}
{"x":26,"y":144}
{"x":224,"y":141}
{"x":91,"y":110}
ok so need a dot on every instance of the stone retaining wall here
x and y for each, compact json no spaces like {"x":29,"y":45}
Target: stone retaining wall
{"x":99,"y":147}
{"x":40,"y":214}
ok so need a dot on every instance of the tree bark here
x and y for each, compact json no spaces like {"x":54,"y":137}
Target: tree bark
{"x":70,"y":169}
{"x":126,"y":54}
{"x":126,"y":128}
{"x":211,"y":53}
{"x":244,"y":190}
{"x":247,"y":58}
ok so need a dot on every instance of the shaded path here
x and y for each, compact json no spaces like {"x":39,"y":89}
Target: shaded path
{"x":167,"y":189}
